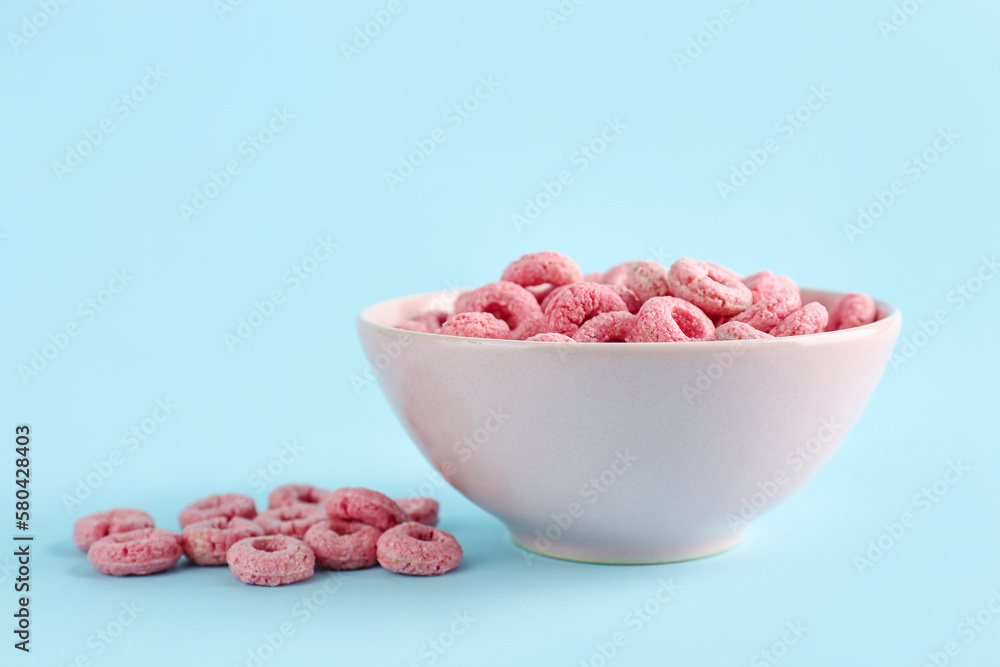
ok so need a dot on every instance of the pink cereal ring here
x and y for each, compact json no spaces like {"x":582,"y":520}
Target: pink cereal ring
{"x":475,"y":325}
{"x":739,"y":331}
{"x":714,"y":289}
{"x":618,"y":274}
{"x":754,"y":279}
{"x":420,"y":509}
{"x":667,"y":319}
{"x":206,"y":542}
{"x":423,"y":323}
{"x":853,"y":310}
{"x":292,"y":520}
{"x":810,"y":318}
{"x":648,"y":279}
{"x":543,"y":268}
{"x":222,"y":504}
{"x":142,"y":551}
{"x":769,"y":311}
{"x":551,"y":295}
{"x":88,"y":529}
{"x":613,"y":327}
{"x":413,"y":548}
{"x":595,"y":277}
{"x":768,"y":285}
{"x":551,"y":338}
{"x":371,"y":507}
{"x":578,"y":303}
{"x":632,"y":302}
{"x":509,"y":302}
{"x":271,"y":560}
{"x":343,"y":545}
{"x":290,"y":494}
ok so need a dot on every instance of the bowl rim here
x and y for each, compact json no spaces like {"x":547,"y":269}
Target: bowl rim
{"x":892,"y":318}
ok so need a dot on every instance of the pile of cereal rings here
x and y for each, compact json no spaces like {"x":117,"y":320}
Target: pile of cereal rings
{"x":303,"y":527}
{"x":545,"y":297}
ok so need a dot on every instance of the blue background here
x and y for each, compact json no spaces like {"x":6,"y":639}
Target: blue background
{"x":652,"y":193}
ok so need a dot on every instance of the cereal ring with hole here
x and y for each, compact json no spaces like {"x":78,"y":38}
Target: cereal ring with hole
{"x":271,"y":560}
{"x":291,"y":494}
{"x":754,"y":279}
{"x":413,"y":548}
{"x":206,"y":542}
{"x":424,"y":322}
{"x":648,"y":279}
{"x":667,"y":319}
{"x":614,"y":327}
{"x":551,"y":338}
{"x":543,"y":268}
{"x":220,"y":504}
{"x":551,"y":295}
{"x":509,"y":302}
{"x":714,"y":289}
{"x":421,"y":508}
{"x":475,"y":325}
{"x":578,"y":303}
{"x":292,"y":520}
{"x":343,"y":545}
{"x":810,"y":318}
{"x":142,"y":551}
{"x":769,"y":311}
{"x":739,"y":331}
{"x":88,"y":529}
{"x":618,"y":274}
{"x":371,"y":507}
{"x":853,"y":310}
{"x":768,"y":285}
{"x":632,"y":302}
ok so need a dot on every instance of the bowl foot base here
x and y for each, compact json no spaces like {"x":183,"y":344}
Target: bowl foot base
{"x":621,"y":555}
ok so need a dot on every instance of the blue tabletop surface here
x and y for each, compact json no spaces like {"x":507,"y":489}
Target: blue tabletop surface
{"x":171,"y":169}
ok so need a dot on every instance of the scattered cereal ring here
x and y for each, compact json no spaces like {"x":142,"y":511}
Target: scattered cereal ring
{"x":810,"y":318}
{"x":769,"y":311}
{"x":551,"y":338}
{"x":413,"y":548}
{"x":648,"y":279}
{"x":666,"y":319}
{"x":739,"y":331}
{"x":714,"y":289}
{"x":632,"y":301}
{"x":475,"y":325}
{"x":292,"y":520}
{"x":423,"y":323}
{"x":768,"y":285}
{"x":421,"y":509}
{"x":541,"y":268}
{"x":617,"y":275}
{"x":371,"y":507}
{"x":221,"y":504}
{"x":613,"y":327}
{"x":271,"y":560}
{"x":509,"y":302}
{"x":343,"y":545}
{"x":206,"y":542}
{"x":88,"y":529}
{"x":578,"y":303}
{"x":290,"y":494}
{"x":853,"y":310}
{"x":142,"y":551}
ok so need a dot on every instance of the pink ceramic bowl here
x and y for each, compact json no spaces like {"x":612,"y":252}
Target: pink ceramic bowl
{"x":626,"y":453}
